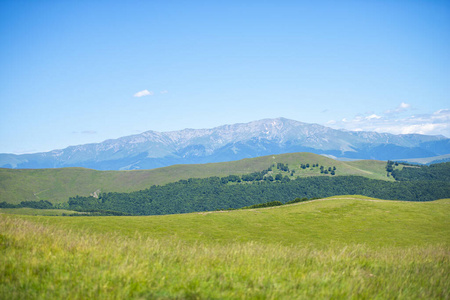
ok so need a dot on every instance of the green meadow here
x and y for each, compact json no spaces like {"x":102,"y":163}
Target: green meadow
{"x":339,"y":247}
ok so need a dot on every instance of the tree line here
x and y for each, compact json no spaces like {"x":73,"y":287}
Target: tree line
{"x":41,"y":204}
{"x":428,"y":173}
{"x":214,"y":193}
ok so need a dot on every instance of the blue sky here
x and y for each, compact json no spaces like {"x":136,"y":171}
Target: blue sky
{"x":75,"y":72}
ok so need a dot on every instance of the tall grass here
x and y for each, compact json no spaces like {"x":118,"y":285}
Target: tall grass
{"x":42,"y":261}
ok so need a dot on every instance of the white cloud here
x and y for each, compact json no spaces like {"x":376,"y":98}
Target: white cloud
{"x":420,"y":128}
{"x":442,"y":114}
{"x":433,"y":124}
{"x":373,"y":116}
{"x":143,"y":93}
{"x":164,"y":92}
{"x":404,"y":105}
{"x":401,"y":108}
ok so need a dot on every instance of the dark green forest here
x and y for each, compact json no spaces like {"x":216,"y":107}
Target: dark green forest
{"x":41,"y":204}
{"x":413,"y":173}
{"x":232,"y":192}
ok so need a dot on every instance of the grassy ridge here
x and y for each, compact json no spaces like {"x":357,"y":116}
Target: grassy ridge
{"x":346,"y":219}
{"x":57,"y":185}
{"x":338,"y":248}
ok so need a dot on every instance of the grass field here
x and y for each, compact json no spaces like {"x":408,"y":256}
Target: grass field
{"x":340,"y":247}
{"x":57,"y":185}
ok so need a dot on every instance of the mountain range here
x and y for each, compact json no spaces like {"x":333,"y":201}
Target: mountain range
{"x":153,"y":149}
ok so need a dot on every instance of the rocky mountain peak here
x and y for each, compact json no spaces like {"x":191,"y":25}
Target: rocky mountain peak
{"x":230,"y":142}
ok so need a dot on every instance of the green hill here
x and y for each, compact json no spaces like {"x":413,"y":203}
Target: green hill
{"x":57,"y":185}
{"x":346,"y":219}
{"x":347,"y":247}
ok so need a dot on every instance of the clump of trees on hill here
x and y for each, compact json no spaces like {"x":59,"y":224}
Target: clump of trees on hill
{"x":283,"y":167}
{"x":390,"y":165}
{"x":304,"y":166}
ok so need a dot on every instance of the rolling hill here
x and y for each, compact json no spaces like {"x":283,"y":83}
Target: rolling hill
{"x":347,"y":219}
{"x":57,"y":185}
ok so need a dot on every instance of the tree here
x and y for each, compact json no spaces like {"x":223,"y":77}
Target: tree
{"x":390,"y":166}
{"x":285,"y":179}
{"x":278,"y":176}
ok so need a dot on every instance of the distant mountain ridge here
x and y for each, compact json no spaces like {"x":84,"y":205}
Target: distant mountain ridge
{"x":153,"y":149}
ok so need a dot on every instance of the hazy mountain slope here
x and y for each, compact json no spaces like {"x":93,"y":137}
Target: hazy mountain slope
{"x":56,"y":185}
{"x":428,"y":160}
{"x":231,"y":142}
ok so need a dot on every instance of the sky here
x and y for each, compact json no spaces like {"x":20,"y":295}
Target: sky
{"x":76,"y":72}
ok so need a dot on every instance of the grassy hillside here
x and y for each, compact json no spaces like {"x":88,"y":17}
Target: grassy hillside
{"x":57,"y":185}
{"x":340,"y":247}
{"x":347,"y":219}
